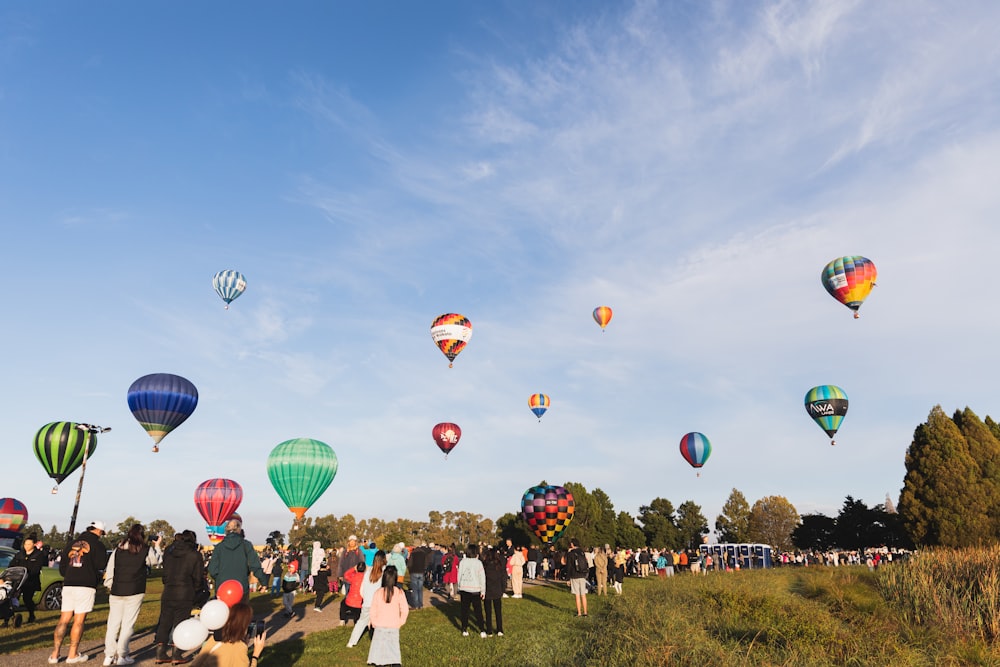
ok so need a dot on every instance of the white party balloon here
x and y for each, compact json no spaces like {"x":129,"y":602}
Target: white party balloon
{"x":190,"y":634}
{"x":214,"y":614}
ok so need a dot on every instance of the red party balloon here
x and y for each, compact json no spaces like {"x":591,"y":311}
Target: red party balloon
{"x":230,"y":592}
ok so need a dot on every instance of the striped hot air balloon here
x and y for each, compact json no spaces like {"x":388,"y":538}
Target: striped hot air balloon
{"x":13,"y":516}
{"x":300,"y":471}
{"x":451,"y":332}
{"x":850,"y":280}
{"x":217,"y":499}
{"x":602,"y":315}
{"x":695,"y":448}
{"x":161,"y":402}
{"x":539,"y":403}
{"x":59,"y":447}
{"x":229,"y":284}
{"x":827,"y":405}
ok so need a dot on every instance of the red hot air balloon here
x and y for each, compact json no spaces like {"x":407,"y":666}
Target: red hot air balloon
{"x":217,"y":500}
{"x":13,"y":516}
{"x":446,"y":436}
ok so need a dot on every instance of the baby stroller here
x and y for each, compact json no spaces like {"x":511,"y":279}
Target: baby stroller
{"x":11,"y":581}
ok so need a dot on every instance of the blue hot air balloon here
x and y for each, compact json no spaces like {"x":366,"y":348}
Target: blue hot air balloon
{"x":161,"y":402}
{"x":229,"y":284}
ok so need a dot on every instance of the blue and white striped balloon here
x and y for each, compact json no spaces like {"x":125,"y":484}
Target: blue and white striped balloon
{"x":229,"y":284}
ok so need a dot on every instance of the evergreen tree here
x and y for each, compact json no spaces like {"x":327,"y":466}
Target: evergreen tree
{"x":627,"y":534}
{"x":691,"y":524}
{"x":733,"y":525}
{"x":772,"y":520}
{"x":604,"y":527}
{"x":853,"y":526}
{"x":934,"y":504}
{"x":815,"y":532}
{"x":984,"y":447}
{"x":659,"y":524}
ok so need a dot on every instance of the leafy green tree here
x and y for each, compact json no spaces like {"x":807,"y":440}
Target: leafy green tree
{"x":691,"y":524}
{"x":772,"y":520}
{"x":513,"y":527}
{"x":733,"y":525}
{"x":119,"y":532}
{"x":604,"y":527}
{"x":586,"y":514}
{"x":56,"y":539}
{"x":33,"y":529}
{"x":815,"y":532}
{"x":627,"y":534}
{"x":659,"y":525}
{"x":275,"y":539}
{"x":160,"y":527}
{"x":853,"y":526}
{"x":935,"y":504}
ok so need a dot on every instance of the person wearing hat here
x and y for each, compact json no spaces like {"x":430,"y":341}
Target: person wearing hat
{"x":81,"y":564}
{"x":348,"y":561}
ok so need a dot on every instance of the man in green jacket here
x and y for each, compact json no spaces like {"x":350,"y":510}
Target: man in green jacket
{"x":234,"y":558}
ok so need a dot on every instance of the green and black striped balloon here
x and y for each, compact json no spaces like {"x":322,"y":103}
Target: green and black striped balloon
{"x":59,"y":448}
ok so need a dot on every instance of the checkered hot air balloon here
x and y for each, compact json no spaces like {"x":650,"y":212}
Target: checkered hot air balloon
{"x":548,"y":510}
{"x":13,"y":517}
{"x":451,"y":332}
{"x":229,"y":284}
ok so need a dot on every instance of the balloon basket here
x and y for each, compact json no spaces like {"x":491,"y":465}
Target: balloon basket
{"x":226,"y":307}
{"x":450,"y":365}
{"x":55,"y":490}
{"x":833,"y":442}
{"x":156,"y":449}
{"x":857,"y":315}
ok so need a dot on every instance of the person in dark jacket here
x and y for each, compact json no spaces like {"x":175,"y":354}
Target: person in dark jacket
{"x":126,"y":578}
{"x":33,"y":556}
{"x":419,"y":559}
{"x":80,"y":564}
{"x":495,"y":565}
{"x":183,"y":573}
{"x":234,"y":558}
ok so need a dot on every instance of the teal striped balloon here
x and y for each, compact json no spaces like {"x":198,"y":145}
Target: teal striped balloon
{"x":229,"y":284}
{"x":827,"y":405}
{"x":59,"y":448}
{"x":300,"y":471}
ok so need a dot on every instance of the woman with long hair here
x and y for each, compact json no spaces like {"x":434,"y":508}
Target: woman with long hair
{"x":388,"y":613}
{"x":472,"y":588}
{"x":183,"y":573}
{"x":126,"y":577}
{"x":369,"y":585}
{"x":230,"y":650}
{"x":495,"y":567}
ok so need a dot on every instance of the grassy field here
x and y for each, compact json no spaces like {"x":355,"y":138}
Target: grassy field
{"x":786,"y":616}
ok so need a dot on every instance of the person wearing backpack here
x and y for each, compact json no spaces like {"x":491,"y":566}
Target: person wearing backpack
{"x":578,"y":568}
{"x":449,"y":566}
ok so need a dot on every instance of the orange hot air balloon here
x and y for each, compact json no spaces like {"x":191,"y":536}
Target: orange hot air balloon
{"x":450,"y":332}
{"x":602,"y":315}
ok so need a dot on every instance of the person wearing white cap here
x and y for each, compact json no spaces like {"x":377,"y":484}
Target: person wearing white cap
{"x":81,"y":564}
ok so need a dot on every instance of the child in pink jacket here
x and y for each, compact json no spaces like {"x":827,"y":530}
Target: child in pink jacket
{"x":387,"y":615}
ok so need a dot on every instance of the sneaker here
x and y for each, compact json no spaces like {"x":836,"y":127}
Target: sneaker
{"x":82,"y":657}
{"x":109,"y":660}
{"x":499,"y":634}
{"x":518,"y":597}
{"x":317,"y":609}
{"x":126,"y":660}
{"x":483,"y":635}
{"x":465,"y":633}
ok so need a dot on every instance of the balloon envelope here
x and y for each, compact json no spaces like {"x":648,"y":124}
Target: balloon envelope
{"x":300,"y":471}
{"x":217,"y":499}
{"x":827,"y":405}
{"x":602,"y":315}
{"x":161,"y":402}
{"x":215,"y":533}
{"x":451,"y":332}
{"x":59,"y":447}
{"x":214,"y":614}
{"x":13,"y":516}
{"x":446,"y":435}
{"x":695,"y":448}
{"x":229,"y":284}
{"x":547,"y":511}
{"x":539,"y":403}
{"x":189,"y":634}
{"x":849,"y":280}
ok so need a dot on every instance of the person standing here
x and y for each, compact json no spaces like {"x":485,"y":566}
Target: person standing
{"x":321,"y":583}
{"x":80,"y":564}
{"x":517,"y":561}
{"x":370,"y":584}
{"x":33,"y":556}
{"x":289,"y":584}
{"x":449,"y":572}
{"x":388,"y":612}
{"x":534,"y":556}
{"x":183,"y":574}
{"x":397,"y":558}
{"x":472,"y":588}
{"x":419,"y":563}
{"x":495,"y":569}
{"x":348,"y":561}
{"x":601,"y":570}
{"x":127,"y":582}
{"x":350,"y":608}
{"x":234,"y":558}
{"x":577,"y":570}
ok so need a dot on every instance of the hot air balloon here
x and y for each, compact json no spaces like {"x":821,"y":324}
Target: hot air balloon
{"x":217,"y":499}
{"x":547,"y":510}
{"x":539,"y":403}
{"x":215,"y":533}
{"x":161,"y":402}
{"x":13,"y":516}
{"x":446,"y":436}
{"x":450,"y":332}
{"x":602,"y":315}
{"x":59,"y":447}
{"x":849,"y":280}
{"x":695,"y":448}
{"x":300,"y":471}
{"x":229,"y":284}
{"x":827,"y":405}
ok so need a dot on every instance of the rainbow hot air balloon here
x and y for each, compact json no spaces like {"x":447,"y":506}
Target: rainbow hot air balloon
{"x":161,"y":402}
{"x":215,"y":533}
{"x":217,"y":499}
{"x":827,"y":405}
{"x":59,"y":447}
{"x":539,"y":403}
{"x":548,"y":510}
{"x":451,"y":332}
{"x":229,"y":284}
{"x":300,"y":471}
{"x":602,"y":315}
{"x":13,"y":516}
{"x":695,"y":448}
{"x":446,"y":435}
{"x":850,"y":280}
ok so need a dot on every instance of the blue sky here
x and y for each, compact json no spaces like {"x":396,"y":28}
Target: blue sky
{"x":369,"y":166}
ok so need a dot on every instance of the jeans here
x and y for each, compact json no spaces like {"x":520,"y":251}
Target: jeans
{"x":275,"y":585}
{"x":123,"y":610}
{"x":417,"y":590}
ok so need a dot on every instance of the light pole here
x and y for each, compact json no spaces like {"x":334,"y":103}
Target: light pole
{"x":94,"y":430}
